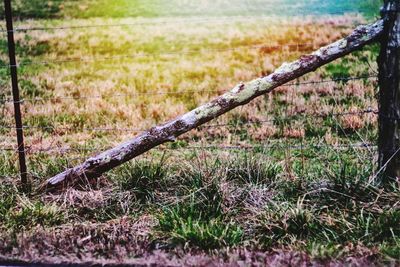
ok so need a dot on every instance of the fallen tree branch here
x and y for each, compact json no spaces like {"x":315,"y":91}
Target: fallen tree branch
{"x":240,"y":95}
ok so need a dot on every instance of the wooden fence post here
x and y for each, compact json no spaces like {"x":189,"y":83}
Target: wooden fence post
{"x":389,"y":95}
{"x":15,"y":92}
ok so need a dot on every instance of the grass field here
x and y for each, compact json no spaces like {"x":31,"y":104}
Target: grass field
{"x":299,"y":194}
{"x":183,"y":8}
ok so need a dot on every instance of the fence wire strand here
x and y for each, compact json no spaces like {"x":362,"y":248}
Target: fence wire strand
{"x":63,"y":150}
{"x":213,"y":20}
{"x":222,"y":147}
{"x":249,"y":122}
{"x":58,"y":98}
{"x":143,"y":54}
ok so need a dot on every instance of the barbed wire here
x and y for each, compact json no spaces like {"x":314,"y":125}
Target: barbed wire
{"x":58,"y":98}
{"x":116,"y":129}
{"x":62,"y":150}
{"x":149,"y":22}
{"x":339,"y":79}
{"x":139,"y":23}
{"x":313,"y":115}
{"x":142,"y":54}
{"x":293,"y":147}
{"x":255,"y":148}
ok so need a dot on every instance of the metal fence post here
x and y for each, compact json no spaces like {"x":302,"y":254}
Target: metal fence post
{"x":15,"y":92}
{"x":389,"y":95}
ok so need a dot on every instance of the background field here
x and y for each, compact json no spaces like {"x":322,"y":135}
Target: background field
{"x":284,"y":179}
{"x":182,"y":8}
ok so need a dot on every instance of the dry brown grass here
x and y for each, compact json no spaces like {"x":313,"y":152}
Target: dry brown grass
{"x":206,"y":73}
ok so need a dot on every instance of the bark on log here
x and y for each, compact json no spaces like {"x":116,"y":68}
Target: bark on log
{"x":240,"y":95}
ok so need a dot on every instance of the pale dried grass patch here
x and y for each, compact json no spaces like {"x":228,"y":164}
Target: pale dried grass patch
{"x":294,"y":132}
{"x":352,"y":122}
{"x":263,"y":132}
{"x":212,"y":72}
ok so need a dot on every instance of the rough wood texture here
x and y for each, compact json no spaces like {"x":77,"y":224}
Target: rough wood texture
{"x":240,"y":95}
{"x":389,"y":98}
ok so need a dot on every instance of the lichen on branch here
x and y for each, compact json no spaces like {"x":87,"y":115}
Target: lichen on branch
{"x":239,"y":95}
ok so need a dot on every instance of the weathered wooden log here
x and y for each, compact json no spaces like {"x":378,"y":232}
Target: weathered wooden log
{"x":240,"y":95}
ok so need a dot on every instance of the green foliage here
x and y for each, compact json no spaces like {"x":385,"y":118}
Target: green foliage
{"x":7,"y":201}
{"x":199,"y":220}
{"x":313,"y":129}
{"x":280,"y":224}
{"x":112,"y":207}
{"x":141,"y":179}
{"x":155,"y":8}
{"x":371,"y":7}
{"x":187,"y":224}
{"x":291,"y":190}
{"x":17,"y":212}
{"x":33,"y":214}
{"x":385,"y":226}
{"x":283,"y":224}
{"x":252,"y":171}
{"x":346,"y":185}
{"x":43,"y":165}
{"x":313,"y":198}
{"x":324,"y":251}
{"x":35,"y":8}
{"x":8,"y":166}
{"x":391,"y":249}
{"x":206,"y":198}
{"x":338,"y":70}
{"x":178,"y":144}
{"x":28,"y":88}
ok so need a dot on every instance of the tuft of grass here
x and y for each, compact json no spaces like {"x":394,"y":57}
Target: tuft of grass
{"x":186,"y":224}
{"x":44,"y":165}
{"x":111,"y":207}
{"x":18,"y":212}
{"x":252,"y":171}
{"x":33,"y":214}
{"x":284,"y":223}
{"x":8,"y":196}
{"x":391,"y":249}
{"x":323,"y":252}
{"x":141,"y":179}
{"x":317,"y":199}
{"x":385,"y":226}
{"x":34,"y":8}
{"x":199,"y":217}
